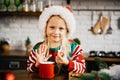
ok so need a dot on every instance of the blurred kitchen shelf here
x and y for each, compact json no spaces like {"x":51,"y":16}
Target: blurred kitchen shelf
{"x":104,"y":59}
{"x":3,"y":13}
{"x":14,"y":53}
{"x":96,"y":9}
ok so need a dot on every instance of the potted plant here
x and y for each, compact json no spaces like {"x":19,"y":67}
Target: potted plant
{"x":28,"y":45}
{"x":4,"y":46}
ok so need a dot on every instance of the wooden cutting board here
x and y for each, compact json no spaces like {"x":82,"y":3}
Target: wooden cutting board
{"x":104,"y":24}
{"x":101,"y":25}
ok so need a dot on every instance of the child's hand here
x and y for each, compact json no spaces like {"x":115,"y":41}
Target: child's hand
{"x":61,"y":58}
{"x":42,"y":54}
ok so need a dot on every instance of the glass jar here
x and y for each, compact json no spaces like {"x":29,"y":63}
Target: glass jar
{"x":48,"y":3}
{"x":33,"y":6}
{"x":25,"y":6}
{"x":40,"y":5}
{"x":2,"y":6}
{"x":12,"y":6}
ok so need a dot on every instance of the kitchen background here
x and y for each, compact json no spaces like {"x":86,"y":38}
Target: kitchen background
{"x":16,"y":29}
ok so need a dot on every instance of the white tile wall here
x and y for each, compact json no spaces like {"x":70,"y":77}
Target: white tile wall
{"x":16,"y":28}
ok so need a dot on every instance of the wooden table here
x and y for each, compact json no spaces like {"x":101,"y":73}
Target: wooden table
{"x":24,"y":75}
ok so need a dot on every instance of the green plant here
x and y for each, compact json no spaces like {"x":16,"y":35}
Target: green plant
{"x":27,"y":41}
{"x":94,"y":75}
{"x":101,"y":64}
{"x":104,"y":76}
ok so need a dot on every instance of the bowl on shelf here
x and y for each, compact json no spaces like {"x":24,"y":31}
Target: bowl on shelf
{"x":111,"y":54}
{"x":118,"y":54}
{"x":93,"y":53}
{"x":101,"y":54}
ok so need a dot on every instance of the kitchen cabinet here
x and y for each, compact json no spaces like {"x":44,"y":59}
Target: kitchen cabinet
{"x":14,"y":60}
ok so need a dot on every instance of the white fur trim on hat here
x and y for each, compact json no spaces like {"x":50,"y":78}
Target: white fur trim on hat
{"x":57,"y":10}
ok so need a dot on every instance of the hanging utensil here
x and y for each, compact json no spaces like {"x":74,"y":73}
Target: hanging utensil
{"x":100,"y":18}
{"x":118,"y":23}
{"x":91,"y":29}
{"x":109,"y":30}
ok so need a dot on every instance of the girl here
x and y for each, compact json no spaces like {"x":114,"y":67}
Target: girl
{"x":57,"y":24}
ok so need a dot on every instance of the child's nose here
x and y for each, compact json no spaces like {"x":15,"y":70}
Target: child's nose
{"x":56,"y":31}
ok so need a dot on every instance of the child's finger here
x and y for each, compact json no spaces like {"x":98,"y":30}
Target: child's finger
{"x":47,"y":51}
{"x":48,"y":57}
{"x":39,"y":50}
{"x":57,"y":60}
{"x":43,"y":48}
{"x":36,"y":53}
{"x":62,"y":54}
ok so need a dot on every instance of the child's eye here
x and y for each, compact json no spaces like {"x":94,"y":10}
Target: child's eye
{"x":52,"y":27}
{"x":61,"y":28}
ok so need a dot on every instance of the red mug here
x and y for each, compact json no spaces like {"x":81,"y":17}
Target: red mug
{"x":46,"y":69}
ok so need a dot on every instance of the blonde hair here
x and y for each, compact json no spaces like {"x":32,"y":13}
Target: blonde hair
{"x":65,"y":45}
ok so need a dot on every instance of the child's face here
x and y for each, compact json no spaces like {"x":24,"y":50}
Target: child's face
{"x":56,"y":29}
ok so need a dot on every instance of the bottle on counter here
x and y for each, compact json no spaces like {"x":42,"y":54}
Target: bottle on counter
{"x":12,"y":6}
{"x":33,"y":6}
{"x":17,"y":3}
{"x":25,"y":6}
{"x":2,"y":6}
{"x":40,"y":5}
{"x":48,"y":3}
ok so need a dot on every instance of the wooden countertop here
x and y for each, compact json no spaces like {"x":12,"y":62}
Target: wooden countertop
{"x":104,"y":59}
{"x":24,"y":75}
{"x":15,"y":53}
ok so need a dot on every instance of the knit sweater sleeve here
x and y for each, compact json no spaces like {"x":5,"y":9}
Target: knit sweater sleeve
{"x":77,"y":61}
{"x":31,"y":63}
{"x":32,"y":60}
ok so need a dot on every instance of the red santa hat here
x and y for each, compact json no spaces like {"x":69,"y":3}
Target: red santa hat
{"x":63,"y":12}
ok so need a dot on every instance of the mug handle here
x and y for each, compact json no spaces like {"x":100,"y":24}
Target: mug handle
{"x":58,"y":69}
